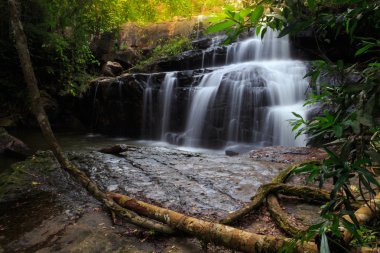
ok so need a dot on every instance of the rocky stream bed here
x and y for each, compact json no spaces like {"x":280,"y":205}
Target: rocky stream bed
{"x":43,"y":210}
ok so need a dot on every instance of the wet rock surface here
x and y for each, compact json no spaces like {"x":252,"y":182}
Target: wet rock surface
{"x":287,"y":154}
{"x":193,"y":183}
{"x":52,"y":213}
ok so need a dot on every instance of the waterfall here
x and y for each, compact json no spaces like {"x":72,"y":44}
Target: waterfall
{"x":248,"y":100}
{"x":166,"y":102}
{"x":148,"y":109}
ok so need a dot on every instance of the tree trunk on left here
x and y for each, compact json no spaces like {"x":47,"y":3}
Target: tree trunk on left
{"x":40,"y":114}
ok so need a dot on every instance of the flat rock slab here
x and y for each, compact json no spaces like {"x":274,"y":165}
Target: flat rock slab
{"x":287,"y":155}
{"x":193,"y":183}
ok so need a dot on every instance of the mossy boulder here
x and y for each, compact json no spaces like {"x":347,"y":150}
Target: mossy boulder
{"x":26,"y":176}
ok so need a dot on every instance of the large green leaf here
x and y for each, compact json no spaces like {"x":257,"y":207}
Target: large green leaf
{"x":220,"y":26}
{"x":256,"y":14}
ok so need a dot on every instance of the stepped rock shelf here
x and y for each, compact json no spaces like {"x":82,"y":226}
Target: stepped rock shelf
{"x":243,"y":93}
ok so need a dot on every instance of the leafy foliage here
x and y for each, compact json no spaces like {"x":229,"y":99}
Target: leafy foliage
{"x":348,"y":128}
{"x":60,"y":32}
{"x":166,"y":49}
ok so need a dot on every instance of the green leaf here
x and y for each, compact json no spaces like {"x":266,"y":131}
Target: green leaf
{"x":297,"y":115}
{"x":220,"y":26}
{"x":324,"y":244}
{"x":243,"y":13}
{"x":363,"y":49}
{"x":338,"y":131}
{"x":295,"y":126}
{"x":263,"y":32}
{"x":313,"y":175}
{"x":367,"y":184}
{"x":351,"y":228}
{"x":258,"y":30}
{"x":311,"y":4}
{"x":355,"y":126}
{"x":215,"y":19}
{"x":306,"y":168}
{"x":368,"y":175}
{"x":256,"y":14}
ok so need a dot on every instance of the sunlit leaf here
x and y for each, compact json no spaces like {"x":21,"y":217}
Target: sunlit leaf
{"x":220,"y":26}
{"x":256,"y":14}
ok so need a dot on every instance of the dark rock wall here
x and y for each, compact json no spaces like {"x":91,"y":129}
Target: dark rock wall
{"x":113,"y":105}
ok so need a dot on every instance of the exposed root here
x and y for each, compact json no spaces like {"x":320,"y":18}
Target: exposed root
{"x":285,"y":174}
{"x":308,"y":193}
{"x":280,"y":217}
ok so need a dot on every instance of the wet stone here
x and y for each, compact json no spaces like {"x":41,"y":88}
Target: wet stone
{"x":183,"y":181}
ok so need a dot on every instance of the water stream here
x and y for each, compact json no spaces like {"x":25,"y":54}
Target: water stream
{"x":248,"y":100}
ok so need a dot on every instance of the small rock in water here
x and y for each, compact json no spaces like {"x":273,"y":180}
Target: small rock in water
{"x":231,"y":153}
{"x":114,"y":150}
{"x":238,"y":149}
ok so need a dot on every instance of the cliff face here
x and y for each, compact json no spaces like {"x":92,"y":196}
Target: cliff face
{"x":146,"y":37}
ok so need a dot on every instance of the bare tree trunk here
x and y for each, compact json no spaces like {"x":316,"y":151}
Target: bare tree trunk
{"x":40,"y":114}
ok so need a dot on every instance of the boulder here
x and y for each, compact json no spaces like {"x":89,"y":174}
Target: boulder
{"x":114,"y":150}
{"x":238,"y":149}
{"x":126,"y":58}
{"x":11,"y":146}
{"x":112,"y":69}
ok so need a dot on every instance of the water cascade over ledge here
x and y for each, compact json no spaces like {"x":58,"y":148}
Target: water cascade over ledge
{"x":247,"y":100}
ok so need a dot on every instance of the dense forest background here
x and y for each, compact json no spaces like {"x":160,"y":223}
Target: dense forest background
{"x":60,"y":34}
{"x":344,"y":78}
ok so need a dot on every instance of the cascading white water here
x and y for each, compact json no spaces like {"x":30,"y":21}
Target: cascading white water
{"x":166,"y":101}
{"x":248,"y":100}
{"x":148,"y":108}
{"x":267,"y":61}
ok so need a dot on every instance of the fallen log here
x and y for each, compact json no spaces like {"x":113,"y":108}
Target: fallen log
{"x":208,"y":231}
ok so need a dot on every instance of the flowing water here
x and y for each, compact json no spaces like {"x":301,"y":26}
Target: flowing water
{"x":248,"y":100}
